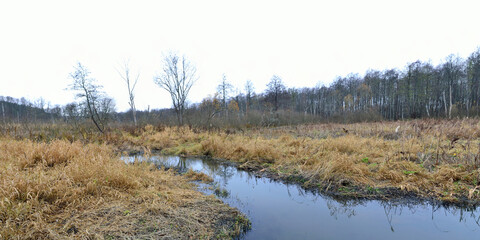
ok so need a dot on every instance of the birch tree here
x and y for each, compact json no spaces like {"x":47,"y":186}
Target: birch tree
{"x":131,"y":82}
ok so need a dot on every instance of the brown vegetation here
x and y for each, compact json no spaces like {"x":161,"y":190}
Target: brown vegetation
{"x":431,"y":158}
{"x":61,"y":190}
{"x":63,"y":183}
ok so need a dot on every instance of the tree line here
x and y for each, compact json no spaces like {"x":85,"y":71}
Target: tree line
{"x":418,"y":90}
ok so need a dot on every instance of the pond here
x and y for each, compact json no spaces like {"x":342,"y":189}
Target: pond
{"x":286,"y":211}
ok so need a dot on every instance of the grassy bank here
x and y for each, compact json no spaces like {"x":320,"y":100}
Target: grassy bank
{"x":61,"y":190}
{"x":436,"y":159}
{"x":56,"y":182}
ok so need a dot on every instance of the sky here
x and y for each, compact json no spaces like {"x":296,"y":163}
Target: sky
{"x":306,"y":43}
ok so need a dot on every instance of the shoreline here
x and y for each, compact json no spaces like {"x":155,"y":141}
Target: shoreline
{"x":62,"y":190}
{"x":340,"y":192}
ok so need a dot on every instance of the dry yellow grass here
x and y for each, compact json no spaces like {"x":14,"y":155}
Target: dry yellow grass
{"x":61,"y":190}
{"x":432,"y":158}
{"x":198,"y":176}
{"x":71,"y":189}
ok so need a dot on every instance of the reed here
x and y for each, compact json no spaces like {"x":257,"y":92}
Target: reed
{"x":430,"y":158}
{"x":59,"y":190}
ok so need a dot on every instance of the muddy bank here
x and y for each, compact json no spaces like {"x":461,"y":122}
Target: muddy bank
{"x":359,"y":164}
{"x":283,"y":209}
{"x":347,"y":190}
{"x":342,"y":189}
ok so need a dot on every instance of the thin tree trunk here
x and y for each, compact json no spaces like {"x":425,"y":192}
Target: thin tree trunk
{"x":450,"y":109}
{"x":468,"y":108}
{"x":426,"y":107}
{"x":445,"y":103}
{"x":180,"y":116}
{"x":92,"y":113}
{"x":3,"y":114}
{"x":132,"y":106}
{"x":134,"y":112}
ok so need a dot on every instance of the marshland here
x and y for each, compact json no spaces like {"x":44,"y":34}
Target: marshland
{"x":58,"y":182}
{"x":83,"y":170}
{"x":239,"y":120}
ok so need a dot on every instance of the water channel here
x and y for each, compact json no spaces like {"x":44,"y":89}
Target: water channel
{"x":286,"y":211}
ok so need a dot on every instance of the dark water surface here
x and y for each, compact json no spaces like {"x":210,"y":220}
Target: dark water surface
{"x":282,"y":211}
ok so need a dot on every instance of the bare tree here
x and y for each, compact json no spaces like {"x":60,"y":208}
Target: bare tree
{"x":40,"y":103}
{"x":3,"y":114}
{"x":131,"y":83}
{"x":452,"y":72}
{"x":177,"y":78}
{"x":92,"y":98}
{"x":224,"y":89}
{"x":106,"y":109}
{"x":72,"y":113}
{"x":274,"y":89}
{"x":248,"y":95}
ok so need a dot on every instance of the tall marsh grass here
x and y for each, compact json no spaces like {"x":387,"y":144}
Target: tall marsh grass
{"x":61,"y":190}
{"x":432,"y":158}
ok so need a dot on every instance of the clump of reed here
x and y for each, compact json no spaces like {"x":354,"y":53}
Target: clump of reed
{"x":432,"y":158}
{"x":198,"y":176}
{"x":62,"y":189}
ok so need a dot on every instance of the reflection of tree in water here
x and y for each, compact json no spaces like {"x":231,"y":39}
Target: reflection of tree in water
{"x":182,"y":164}
{"x":224,"y":171}
{"x":337,"y":207}
{"x":179,"y":164}
{"x":473,"y":215}
{"x":396,"y":209}
{"x":465,"y":214}
{"x":391,"y":209}
{"x":302,"y":193}
{"x":341,"y":208}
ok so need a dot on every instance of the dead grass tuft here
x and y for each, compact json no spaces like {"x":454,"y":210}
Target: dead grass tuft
{"x":428,"y":157}
{"x":60,"y":189}
{"x":198,"y":176}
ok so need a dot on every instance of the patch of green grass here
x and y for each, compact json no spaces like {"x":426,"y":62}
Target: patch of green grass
{"x":266,"y":165}
{"x":142,"y":221}
{"x":408,"y":172}
{"x":371,"y":189}
{"x":345,"y":189}
{"x":243,"y":221}
{"x":222,"y":235}
{"x":365,"y":160}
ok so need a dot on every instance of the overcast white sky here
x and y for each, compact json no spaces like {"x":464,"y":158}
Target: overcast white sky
{"x":304,"y":42}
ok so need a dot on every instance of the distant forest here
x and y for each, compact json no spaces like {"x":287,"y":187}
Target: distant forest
{"x":418,"y":90}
